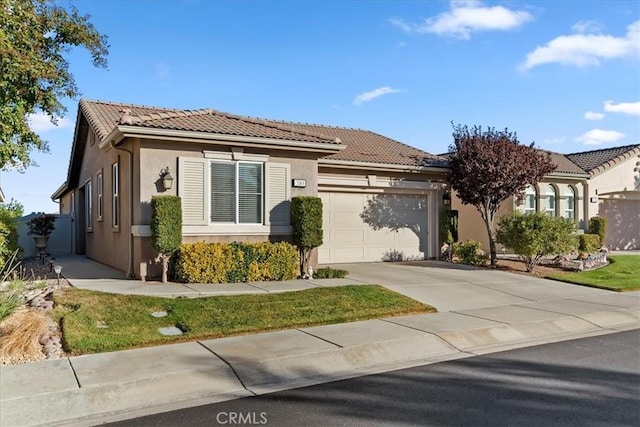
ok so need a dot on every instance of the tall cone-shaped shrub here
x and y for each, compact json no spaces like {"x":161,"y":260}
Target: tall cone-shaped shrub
{"x":166,"y":228}
{"x":306,"y":221}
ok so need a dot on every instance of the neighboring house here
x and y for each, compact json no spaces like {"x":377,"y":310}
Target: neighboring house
{"x":614,"y":192}
{"x":236,"y":175}
{"x":601,"y":182}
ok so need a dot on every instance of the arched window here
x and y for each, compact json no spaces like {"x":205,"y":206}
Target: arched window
{"x":551,"y":200}
{"x":529,"y":199}
{"x":570,"y":209}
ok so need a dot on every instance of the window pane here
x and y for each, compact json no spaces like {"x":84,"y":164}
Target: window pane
{"x":250,"y":197}
{"x":530,"y":200}
{"x":223,"y":192}
{"x":551,"y":200}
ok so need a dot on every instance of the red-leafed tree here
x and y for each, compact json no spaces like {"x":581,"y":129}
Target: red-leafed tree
{"x":489,"y":166}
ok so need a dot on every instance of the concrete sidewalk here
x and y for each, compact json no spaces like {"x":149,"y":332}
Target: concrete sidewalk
{"x":481,"y":311}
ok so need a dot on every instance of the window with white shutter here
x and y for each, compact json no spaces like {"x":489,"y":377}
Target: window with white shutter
{"x":226,"y":192}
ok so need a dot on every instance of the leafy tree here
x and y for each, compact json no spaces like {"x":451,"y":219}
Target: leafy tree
{"x":535,"y":235}
{"x":10,"y":212}
{"x":34,"y":75}
{"x":487,"y":167}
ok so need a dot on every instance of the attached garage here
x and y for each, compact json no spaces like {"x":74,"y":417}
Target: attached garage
{"x":377,"y":226}
{"x":623,"y":220}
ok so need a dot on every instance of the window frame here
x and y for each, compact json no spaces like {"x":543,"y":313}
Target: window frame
{"x":236,"y":184}
{"x":530,"y":195}
{"x":88,"y":191}
{"x":115,"y":195}
{"x":551,"y":207}
{"x":570,"y":208}
{"x":100,"y":196}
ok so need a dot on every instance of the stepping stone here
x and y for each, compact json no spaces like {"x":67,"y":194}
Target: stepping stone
{"x":170,"y":331}
{"x":159,"y":314}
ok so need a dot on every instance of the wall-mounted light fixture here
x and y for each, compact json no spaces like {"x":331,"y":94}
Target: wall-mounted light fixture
{"x":167,"y":179}
{"x":593,"y":199}
{"x":446,"y":199}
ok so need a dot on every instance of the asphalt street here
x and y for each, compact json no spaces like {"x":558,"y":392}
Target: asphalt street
{"x":587,"y":382}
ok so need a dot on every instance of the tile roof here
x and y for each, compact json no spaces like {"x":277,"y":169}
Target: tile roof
{"x":104,"y":116}
{"x":369,"y":147}
{"x":595,"y":159}
{"x":563,"y":164}
{"x":361,"y":145}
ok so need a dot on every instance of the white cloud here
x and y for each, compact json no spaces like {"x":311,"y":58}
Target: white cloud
{"x":368,"y":96}
{"x":583,"y":49}
{"x":40,"y":122}
{"x":585,"y":27}
{"x":590,"y":115}
{"x":466,"y":17}
{"x":599,"y":136}
{"x":632,"y":108}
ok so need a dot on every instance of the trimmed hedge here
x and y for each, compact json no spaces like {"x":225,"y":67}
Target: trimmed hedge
{"x":330,"y":273}
{"x":306,"y":226}
{"x":235,"y":262}
{"x":589,"y":243}
{"x":598,"y":225}
{"x":449,"y":226}
{"x":166,"y":223}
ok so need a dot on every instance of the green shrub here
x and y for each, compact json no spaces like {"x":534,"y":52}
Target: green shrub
{"x":449,"y":226}
{"x":470,"y":252}
{"x":535,"y":235}
{"x":235,"y":262}
{"x":10,"y":212}
{"x":166,"y":228}
{"x":330,"y":273}
{"x":306,"y":224}
{"x":598,"y":225}
{"x":589,"y":243}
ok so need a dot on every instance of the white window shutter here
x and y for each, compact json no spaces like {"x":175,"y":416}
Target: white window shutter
{"x":277,"y":194}
{"x":192,"y":188}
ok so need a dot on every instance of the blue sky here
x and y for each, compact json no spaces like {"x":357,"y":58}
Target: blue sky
{"x":562,"y":74}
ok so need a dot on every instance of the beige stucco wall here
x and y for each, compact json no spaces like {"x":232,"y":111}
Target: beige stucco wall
{"x":621,"y":181}
{"x":103,"y":242}
{"x":155,"y":155}
{"x":614,"y":194}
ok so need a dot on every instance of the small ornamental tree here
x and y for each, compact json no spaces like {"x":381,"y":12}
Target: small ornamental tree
{"x":488,"y":166}
{"x":535,"y":235}
{"x":306,"y":221}
{"x":166,"y":228}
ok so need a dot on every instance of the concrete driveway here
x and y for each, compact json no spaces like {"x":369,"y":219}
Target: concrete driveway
{"x":454,"y":287}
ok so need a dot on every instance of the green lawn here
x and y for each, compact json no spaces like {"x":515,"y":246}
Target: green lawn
{"x":97,"y":322}
{"x":622,"y":274}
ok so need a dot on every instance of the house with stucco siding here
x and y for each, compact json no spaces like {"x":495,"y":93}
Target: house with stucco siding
{"x":236,"y":176}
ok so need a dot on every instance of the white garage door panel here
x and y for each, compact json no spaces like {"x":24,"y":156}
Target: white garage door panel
{"x":348,"y":238}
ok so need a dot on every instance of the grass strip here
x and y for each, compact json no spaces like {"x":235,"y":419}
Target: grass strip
{"x":622,"y":274}
{"x":95,"y":322}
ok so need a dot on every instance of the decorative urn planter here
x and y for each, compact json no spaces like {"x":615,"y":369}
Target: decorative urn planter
{"x":41,"y":242}
{"x":40,"y":227}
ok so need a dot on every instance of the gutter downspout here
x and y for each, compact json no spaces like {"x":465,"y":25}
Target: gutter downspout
{"x":130,"y":272}
{"x":585,"y":205}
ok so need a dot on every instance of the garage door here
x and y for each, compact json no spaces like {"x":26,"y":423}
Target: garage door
{"x":373,"y":227}
{"x":623,"y":223}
